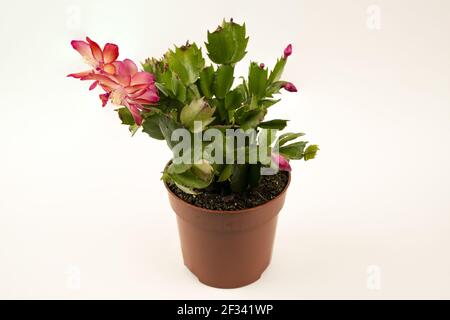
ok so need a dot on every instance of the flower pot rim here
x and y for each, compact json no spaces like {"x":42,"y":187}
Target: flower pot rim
{"x":247,"y":210}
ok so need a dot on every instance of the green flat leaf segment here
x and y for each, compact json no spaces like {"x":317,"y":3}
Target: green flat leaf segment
{"x":167,"y":80}
{"x":151,"y":126}
{"x":187,"y":62}
{"x":286,"y":137}
{"x":278,"y":124}
{"x":227,"y":44}
{"x":257,"y":80}
{"x":195,"y":176}
{"x":293,"y":151}
{"x":206,"y":81}
{"x":310,"y":152}
{"x":235,"y":98}
{"x":125,"y":116}
{"x":197,"y":110}
{"x":252,"y":118}
{"x":223,"y":80}
{"x":277,"y":71}
{"x":225,"y":174}
{"x":189,"y":179}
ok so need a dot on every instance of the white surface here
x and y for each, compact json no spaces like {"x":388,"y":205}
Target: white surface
{"x":81,"y":200}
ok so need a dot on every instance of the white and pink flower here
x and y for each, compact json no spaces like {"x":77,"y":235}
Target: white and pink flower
{"x":129,"y":88}
{"x":123,"y":84}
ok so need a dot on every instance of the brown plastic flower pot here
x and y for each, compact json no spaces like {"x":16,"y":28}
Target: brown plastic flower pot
{"x":227,"y":249}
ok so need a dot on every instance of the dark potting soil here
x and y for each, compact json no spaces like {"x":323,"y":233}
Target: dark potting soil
{"x":270,"y":186}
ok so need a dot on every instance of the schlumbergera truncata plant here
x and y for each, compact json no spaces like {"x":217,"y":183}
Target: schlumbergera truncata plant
{"x":229,"y":172}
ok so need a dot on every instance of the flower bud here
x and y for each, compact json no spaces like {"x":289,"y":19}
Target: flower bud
{"x":281,"y":162}
{"x":262,"y":65}
{"x":288,"y":51}
{"x":289,"y":86}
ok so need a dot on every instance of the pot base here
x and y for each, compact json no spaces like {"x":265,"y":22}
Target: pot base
{"x":219,"y":285}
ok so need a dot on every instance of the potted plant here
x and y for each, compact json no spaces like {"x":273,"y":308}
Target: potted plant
{"x":229,"y":173}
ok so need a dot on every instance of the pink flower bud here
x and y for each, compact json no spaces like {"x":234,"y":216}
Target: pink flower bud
{"x":289,"y":86}
{"x":288,"y":51}
{"x":104,"y":97}
{"x":281,"y":162}
{"x":262,"y":65}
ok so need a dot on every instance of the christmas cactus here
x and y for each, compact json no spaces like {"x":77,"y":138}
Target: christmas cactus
{"x":202,"y":109}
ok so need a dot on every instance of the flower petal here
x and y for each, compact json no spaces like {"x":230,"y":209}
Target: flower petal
{"x":93,"y":85}
{"x":147,"y":97}
{"x":83,"y":49}
{"x":137,"y":89}
{"x":95,"y":49}
{"x":134,"y":109}
{"x":122,"y":73}
{"x":109,"y":68}
{"x":142,"y":78}
{"x":110,"y":52}
{"x":80,"y":74}
{"x":105,"y":81}
{"x":104,"y":97}
{"x":130,"y":67}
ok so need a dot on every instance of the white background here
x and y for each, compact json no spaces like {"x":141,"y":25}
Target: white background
{"x":83,"y":213}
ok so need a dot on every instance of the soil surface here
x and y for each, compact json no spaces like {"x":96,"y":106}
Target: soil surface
{"x":270,"y":186}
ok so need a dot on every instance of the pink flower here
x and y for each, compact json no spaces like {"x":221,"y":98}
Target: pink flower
{"x":127,"y":87}
{"x":101,"y":61}
{"x":289,"y":86}
{"x":288,"y":51}
{"x":281,"y":162}
{"x":124,"y":85}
